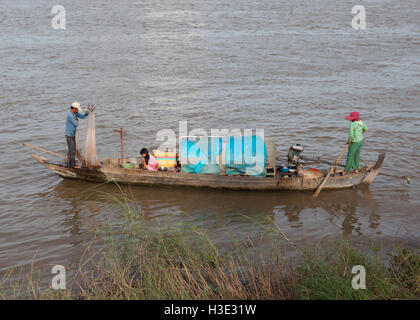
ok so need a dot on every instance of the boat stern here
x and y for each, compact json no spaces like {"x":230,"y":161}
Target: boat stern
{"x":373,"y":172}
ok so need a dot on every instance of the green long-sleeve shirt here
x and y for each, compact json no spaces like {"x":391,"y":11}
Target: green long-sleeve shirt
{"x":356,"y":131}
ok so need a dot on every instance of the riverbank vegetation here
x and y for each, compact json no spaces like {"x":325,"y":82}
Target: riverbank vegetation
{"x":139,"y":261}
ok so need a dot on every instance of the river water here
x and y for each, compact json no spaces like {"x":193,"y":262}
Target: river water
{"x":294,"y":69}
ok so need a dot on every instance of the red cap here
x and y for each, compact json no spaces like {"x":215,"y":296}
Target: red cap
{"x":354,"y":116}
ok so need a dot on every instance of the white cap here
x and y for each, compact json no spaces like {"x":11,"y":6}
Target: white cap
{"x":76,"y":105}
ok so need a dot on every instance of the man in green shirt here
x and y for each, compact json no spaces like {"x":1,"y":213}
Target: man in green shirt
{"x":357,"y":127}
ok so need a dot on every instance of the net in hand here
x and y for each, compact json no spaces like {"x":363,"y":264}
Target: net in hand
{"x":91,"y":159}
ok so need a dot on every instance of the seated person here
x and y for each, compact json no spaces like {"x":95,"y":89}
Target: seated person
{"x":149,"y":161}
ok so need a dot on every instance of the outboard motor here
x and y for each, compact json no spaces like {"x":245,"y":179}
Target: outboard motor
{"x":295,"y":154}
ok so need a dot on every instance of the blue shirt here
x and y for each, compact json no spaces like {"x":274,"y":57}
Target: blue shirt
{"x":72,"y":122}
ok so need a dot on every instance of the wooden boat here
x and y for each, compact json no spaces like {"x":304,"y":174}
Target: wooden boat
{"x":299,"y":182}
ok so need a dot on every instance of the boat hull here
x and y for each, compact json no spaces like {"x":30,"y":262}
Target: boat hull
{"x":144,"y":177}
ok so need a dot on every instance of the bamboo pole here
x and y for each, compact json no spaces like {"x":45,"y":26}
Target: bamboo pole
{"x":44,"y":150}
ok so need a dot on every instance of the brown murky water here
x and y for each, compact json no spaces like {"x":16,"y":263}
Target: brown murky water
{"x":295,"y":69}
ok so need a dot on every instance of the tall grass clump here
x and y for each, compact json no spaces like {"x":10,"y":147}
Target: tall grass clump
{"x":177,"y":261}
{"x":405,"y":270}
{"x":326,"y":274}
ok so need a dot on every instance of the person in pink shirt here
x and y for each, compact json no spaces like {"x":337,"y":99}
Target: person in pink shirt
{"x":149,"y":161}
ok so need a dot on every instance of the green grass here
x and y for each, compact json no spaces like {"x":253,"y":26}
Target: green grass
{"x":138,"y":261}
{"x":327,"y":274}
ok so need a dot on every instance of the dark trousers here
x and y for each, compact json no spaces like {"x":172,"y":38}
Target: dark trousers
{"x":71,"y":144}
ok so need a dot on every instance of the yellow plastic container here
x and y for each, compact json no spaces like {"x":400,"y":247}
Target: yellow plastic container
{"x":165,"y":159}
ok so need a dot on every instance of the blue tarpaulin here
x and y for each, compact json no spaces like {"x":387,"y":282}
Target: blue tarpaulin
{"x":200,"y":154}
{"x":244,"y":154}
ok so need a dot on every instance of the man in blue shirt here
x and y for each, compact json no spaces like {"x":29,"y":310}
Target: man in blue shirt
{"x":72,"y":122}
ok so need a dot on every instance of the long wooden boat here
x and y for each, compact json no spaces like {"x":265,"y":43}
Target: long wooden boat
{"x":301,"y":182}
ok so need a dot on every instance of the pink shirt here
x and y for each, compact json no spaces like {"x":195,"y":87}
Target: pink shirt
{"x":153,"y":164}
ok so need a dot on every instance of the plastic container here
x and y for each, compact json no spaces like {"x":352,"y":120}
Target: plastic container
{"x":284,"y":169}
{"x":165,"y":159}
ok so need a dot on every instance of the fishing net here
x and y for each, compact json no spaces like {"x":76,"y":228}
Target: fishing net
{"x":90,"y":158}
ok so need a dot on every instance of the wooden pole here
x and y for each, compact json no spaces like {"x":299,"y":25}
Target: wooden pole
{"x":44,"y":150}
{"x":121,"y":132}
{"x":122,"y":144}
{"x":329,"y":173}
